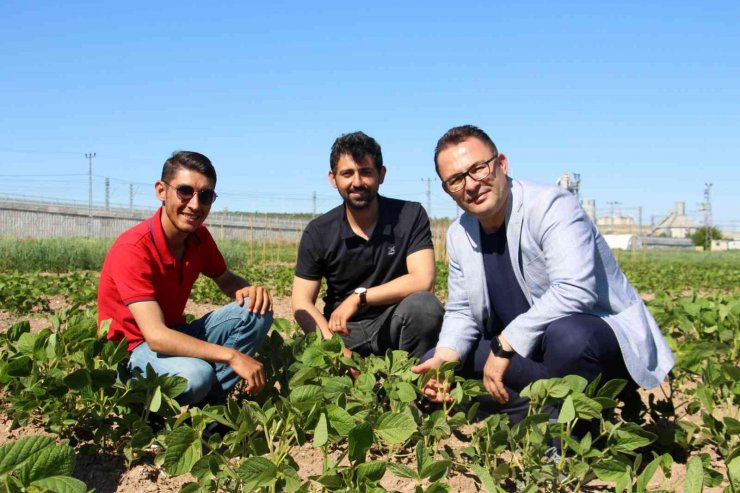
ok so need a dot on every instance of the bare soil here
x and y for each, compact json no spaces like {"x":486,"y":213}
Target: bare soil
{"x":108,"y":473}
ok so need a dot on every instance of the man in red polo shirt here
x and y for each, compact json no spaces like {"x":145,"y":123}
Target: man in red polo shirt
{"x":147,"y":278}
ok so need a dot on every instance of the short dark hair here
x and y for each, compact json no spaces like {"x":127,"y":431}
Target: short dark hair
{"x":193,"y":161}
{"x":358,"y":145}
{"x":455,"y":135}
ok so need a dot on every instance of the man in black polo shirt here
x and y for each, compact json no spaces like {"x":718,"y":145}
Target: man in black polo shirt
{"x":377,"y":257}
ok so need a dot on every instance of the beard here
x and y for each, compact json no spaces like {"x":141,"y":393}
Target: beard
{"x":362,"y":202}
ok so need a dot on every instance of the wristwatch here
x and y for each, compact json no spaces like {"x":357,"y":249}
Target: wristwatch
{"x":362,"y":293}
{"x":499,"y":351}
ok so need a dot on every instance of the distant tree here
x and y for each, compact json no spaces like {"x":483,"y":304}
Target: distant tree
{"x":699,"y":237}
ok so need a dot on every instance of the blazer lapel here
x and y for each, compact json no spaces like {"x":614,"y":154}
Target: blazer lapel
{"x":514,"y":221}
{"x":476,"y":276}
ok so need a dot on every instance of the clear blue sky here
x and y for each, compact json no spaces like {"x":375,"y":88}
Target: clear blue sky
{"x":641,"y":98}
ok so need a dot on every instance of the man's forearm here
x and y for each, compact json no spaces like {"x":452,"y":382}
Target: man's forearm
{"x":232,"y":284}
{"x":174,"y":343}
{"x":398,"y":289}
{"x":309,"y":318}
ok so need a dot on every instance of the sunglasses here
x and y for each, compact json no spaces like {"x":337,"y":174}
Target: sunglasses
{"x":206,"y":196}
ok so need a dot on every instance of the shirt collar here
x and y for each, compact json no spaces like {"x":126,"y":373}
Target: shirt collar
{"x":160,"y":242}
{"x":383,"y":226}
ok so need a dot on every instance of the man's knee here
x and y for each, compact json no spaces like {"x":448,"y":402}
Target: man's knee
{"x":200,"y":377}
{"x":422,"y":307}
{"x":572,"y":345}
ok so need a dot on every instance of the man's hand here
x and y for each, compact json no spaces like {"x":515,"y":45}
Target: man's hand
{"x":250,"y":370}
{"x":435,"y":390}
{"x":260,"y":300}
{"x":493,"y":377}
{"x":341,"y":315}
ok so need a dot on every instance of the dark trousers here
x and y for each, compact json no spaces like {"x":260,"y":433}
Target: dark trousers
{"x":412,"y":325}
{"x":580,"y":344}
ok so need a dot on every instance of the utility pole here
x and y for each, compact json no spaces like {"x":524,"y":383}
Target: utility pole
{"x":429,"y":195}
{"x":89,"y":156}
{"x":131,"y":197}
{"x":707,"y":216}
{"x":611,"y":205}
{"x":314,"y":203}
{"x":107,"y":193}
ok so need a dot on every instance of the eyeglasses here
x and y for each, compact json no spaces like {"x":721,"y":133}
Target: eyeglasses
{"x":477,"y":172}
{"x":206,"y":196}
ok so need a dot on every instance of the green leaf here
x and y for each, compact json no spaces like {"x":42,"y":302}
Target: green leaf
{"x":17,"y":330}
{"x":305,"y":396}
{"x":365,"y":382}
{"x":16,"y":453}
{"x":57,"y":460}
{"x":610,"y":470}
{"x":27,"y":343}
{"x":60,"y":484}
{"x":257,"y":472}
{"x":313,"y":357}
{"x":585,"y":407}
{"x":340,"y":420}
{"x":402,"y":471}
{"x":156,"y":400}
{"x":78,"y":380}
{"x":434,"y":470}
{"x":694,"y":482}
{"x":733,"y":473}
{"x":183,"y":450}
{"x":395,"y":428}
{"x":576,"y":383}
{"x":206,"y":468}
{"x":612,"y":388}
{"x":102,"y":379}
{"x":370,"y":471}
{"x":437,"y":487}
{"x":631,"y":437}
{"x":360,"y":441}
{"x":647,"y":474}
{"x":567,"y":411}
{"x":321,"y":433}
{"x":486,"y":479}
{"x":404,"y":392}
{"x":19,"y":367}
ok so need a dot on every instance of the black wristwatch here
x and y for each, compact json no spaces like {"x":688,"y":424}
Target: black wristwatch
{"x":362,"y":293}
{"x":500,"y":351}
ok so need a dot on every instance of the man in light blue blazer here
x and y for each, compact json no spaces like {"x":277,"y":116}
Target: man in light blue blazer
{"x":534,"y":290}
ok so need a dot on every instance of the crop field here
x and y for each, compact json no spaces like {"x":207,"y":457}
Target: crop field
{"x":69,"y":425}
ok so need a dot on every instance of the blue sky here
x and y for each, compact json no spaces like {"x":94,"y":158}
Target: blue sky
{"x":641,"y":98}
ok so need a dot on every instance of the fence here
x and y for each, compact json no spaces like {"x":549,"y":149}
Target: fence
{"x":55,"y":219}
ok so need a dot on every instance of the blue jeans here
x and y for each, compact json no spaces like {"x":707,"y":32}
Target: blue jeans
{"x":230,"y":326}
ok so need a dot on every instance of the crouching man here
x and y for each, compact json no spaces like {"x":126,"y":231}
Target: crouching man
{"x":146,"y":281}
{"x":534,"y":291}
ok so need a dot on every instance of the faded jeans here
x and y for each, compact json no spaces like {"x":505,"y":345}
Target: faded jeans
{"x":230,"y":326}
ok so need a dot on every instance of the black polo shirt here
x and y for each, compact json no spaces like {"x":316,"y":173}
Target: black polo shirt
{"x":330,"y":249}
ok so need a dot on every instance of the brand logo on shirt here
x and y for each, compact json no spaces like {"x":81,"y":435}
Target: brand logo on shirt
{"x":391,"y":250}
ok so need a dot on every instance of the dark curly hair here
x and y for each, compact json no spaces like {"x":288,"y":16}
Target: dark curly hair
{"x":358,"y":145}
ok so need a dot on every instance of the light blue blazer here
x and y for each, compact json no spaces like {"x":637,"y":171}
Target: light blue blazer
{"x":564,"y":266}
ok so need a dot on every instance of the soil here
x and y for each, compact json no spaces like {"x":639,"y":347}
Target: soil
{"x":108,"y":473}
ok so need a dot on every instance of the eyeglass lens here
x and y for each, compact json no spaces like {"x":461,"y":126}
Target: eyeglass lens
{"x":477,"y":172}
{"x":186,"y":192}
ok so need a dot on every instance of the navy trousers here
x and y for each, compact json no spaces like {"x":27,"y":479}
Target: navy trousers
{"x":580,"y":344}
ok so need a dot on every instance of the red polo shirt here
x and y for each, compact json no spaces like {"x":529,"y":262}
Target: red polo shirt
{"x":140,"y":267}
